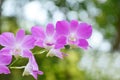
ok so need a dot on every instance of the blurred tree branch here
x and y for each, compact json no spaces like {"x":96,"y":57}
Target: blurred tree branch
{"x":116,"y":44}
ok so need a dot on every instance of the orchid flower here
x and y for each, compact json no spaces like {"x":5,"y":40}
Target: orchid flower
{"x":18,"y":45}
{"x":32,"y":68}
{"x":76,"y":33}
{"x":49,"y":40}
{"x":5,"y":59}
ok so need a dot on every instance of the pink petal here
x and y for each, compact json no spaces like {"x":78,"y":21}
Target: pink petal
{"x":84,"y":30}
{"x":60,"y":42}
{"x":7,"y":39}
{"x":4,"y":70}
{"x":26,"y":53}
{"x":50,"y":29}
{"x":28,"y":42}
{"x":73,"y":25}
{"x":40,"y":73}
{"x":62,"y":28}
{"x":83,"y":43}
{"x":59,"y":54}
{"x":5,"y":56}
{"x":38,"y":32}
{"x":20,"y":35}
{"x":39,"y":43}
{"x":32,"y":68}
{"x":35,"y":74}
{"x":55,"y":52}
{"x":33,"y":61}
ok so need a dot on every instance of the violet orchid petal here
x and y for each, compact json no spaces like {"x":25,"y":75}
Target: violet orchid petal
{"x":60,"y":42}
{"x":73,"y":25}
{"x":50,"y":29}
{"x":32,"y":68}
{"x":7,"y":39}
{"x":28,"y":42}
{"x":84,"y":30}
{"x":62,"y":28}
{"x":59,"y":55}
{"x":55,"y":52}
{"x":4,"y":69}
{"x":20,"y":35}
{"x":40,"y":72}
{"x":82,"y":43}
{"x":39,"y":43}
{"x":33,"y":61}
{"x":26,"y":53}
{"x":35,"y":74}
{"x":5,"y":56}
{"x":38,"y":32}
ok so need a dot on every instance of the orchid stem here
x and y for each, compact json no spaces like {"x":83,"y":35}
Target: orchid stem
{"x":17,"y":67}
{"x":42,"y":51}
{"x":14,"y":62}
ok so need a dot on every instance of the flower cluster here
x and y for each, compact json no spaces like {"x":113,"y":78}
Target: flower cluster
{"x":52,"y":39}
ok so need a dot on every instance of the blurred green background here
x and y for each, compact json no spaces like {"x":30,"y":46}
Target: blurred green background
{"x":100,"y":62}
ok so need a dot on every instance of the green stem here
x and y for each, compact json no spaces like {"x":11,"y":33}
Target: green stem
{"x":42,"y":51}
{"x":17,"y":67}
{"x":13,"y":62}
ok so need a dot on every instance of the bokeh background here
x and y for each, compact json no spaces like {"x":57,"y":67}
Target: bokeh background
{"x":100,"y":62}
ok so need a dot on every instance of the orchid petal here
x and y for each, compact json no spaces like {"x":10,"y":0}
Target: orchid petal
{"x":55,"y":52}
{"x":33,"y":61}
{"x":35,"y":74}
{"x":38,"y":32}
{"x":40,"y":72}
{"x":5,"y":56}
{"x":7,"y":39}
{"x":4,"y":69}
{"x":32,"y":68}
{"x":59,"y":54}
{"x":62,"y":28}
{"x":73,"y":25}
{"x":83,"y":43}
{"x":26,"y":53}
{"x":39,"y":43}
{"x":60,"y":42}
{"x":50,"y":29}
{"x":84,"y":30}
{"x":20,"y":35}
{"x":28,"y":42}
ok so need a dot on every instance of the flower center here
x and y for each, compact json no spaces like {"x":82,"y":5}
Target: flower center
{"x":72,"y":37}
{"x":49,"y":41}
{"x":17,"y":52}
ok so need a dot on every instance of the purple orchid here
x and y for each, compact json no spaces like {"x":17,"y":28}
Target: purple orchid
{"x":32,"y":68}
{"x":76,"y":33}
{"x":52,"y":39}
{"x":49,"y":40}
{"x":5,"y":59}
{"x":19,"y":45}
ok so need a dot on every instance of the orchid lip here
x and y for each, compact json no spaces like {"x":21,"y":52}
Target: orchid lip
{"x":49,"y":44}
{"x":72,"y":37}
